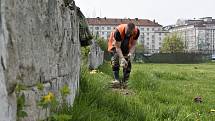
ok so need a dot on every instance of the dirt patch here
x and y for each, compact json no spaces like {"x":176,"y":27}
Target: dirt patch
{"x":122,"y":89}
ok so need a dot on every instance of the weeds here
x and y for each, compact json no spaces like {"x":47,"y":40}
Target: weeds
{"x":163,"y":92}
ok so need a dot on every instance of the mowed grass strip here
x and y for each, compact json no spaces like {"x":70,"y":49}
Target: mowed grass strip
{"x":161,"y":92}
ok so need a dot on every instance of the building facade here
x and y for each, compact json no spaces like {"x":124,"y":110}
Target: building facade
{"x":198,"y":35}
{"x":151,"y":33}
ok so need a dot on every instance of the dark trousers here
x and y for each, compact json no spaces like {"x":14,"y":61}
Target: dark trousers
{"x":116,"y":67}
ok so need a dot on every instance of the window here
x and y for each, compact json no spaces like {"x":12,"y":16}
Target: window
{"x":153,"y":46}
{"x":147,"y":29}
{"x":91,"y":28}
{"x":153,"y":29}
{"x":148,"y":39}
{"x":142,"y":36}
{"x":142,"y":29}
{"x":160,"y":43}
{"x":108,"y":28}
{"x":148,"y":34}
{"x":141,"y":41}
{"x":103,"y":28}
{"x":153,"y":36}
{"x":153,"y":41}
{"x":147,"y":43}
{"x":97,"y":28}
{"x":160,"y":38}
{"x":159,"y":34}
{"x":103,"y":33}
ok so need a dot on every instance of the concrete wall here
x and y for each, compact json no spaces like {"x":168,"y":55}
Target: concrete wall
{"x":96,"y":56}
{"x":39,"y":43}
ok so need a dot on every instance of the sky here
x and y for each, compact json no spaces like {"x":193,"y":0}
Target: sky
{"x":165,"y":12}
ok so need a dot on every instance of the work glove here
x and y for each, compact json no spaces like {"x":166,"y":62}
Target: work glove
{"x":129,"y":55}
{"x":123,"y":63}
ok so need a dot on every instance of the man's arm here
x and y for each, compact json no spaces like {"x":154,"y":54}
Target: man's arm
{"x":118,"y":49}
{"x":123,"y":62}
{"x":117,"y":40}
{"x":133,"y":46}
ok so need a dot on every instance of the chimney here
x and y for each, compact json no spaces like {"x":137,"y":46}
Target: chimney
{"x":98,"y":18}
{"x":154,"y":21}
{"x":136,"y":19}
{"x":105,"y":18}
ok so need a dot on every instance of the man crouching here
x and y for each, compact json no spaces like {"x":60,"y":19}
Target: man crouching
{"x":121,"y":45}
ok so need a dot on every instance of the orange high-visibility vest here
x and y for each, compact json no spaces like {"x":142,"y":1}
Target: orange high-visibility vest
{"x":121,"y":29}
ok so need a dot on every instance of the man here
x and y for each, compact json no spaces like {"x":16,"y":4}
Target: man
{"x":121,"y":45}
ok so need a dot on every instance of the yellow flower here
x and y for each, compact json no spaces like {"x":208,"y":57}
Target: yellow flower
{"x":212,"y":110}
{"x":49,"y":97}
{"x":93,"y":72}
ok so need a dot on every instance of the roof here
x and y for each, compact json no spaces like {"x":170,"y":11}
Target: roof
{"x":117,"y":21}
{"x":198,"y":23}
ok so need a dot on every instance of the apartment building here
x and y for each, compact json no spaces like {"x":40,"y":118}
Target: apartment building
{"x":197,"y":34}
{"x":151,"y":33}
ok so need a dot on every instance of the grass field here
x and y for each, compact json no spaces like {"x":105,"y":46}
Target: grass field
{"x":157,"y":92}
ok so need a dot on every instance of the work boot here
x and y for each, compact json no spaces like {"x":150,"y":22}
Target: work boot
{"x":115,"y":84}
{"x":125,"y":80}
{"x":125,"y":77}
{"x":124,"y":83}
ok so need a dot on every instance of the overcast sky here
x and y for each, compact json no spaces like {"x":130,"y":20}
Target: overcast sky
{"x":165,"y":12}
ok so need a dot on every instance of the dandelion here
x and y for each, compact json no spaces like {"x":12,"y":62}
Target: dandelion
{"x":48,"y":98}
{"x":93,"y":72}
{"x":212,"y":110}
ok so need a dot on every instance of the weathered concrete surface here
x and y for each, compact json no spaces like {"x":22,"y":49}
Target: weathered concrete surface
{"x":39,"y":43}
{"x":96,"y":56}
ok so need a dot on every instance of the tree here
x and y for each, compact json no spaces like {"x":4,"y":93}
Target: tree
{"x":103,"y":43}
{"x":172,"y":44}
{"x":139,"y":48}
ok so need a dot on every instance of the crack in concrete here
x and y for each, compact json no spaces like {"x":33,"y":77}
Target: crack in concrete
{"x":2,"y":63}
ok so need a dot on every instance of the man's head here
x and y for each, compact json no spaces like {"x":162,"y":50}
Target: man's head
{"x":130,"y":29}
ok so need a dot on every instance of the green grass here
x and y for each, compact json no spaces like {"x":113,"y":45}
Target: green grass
{"x":161,"y":92}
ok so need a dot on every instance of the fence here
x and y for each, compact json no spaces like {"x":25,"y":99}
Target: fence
{"x":172,"y":57}
{"x":194,"y":56}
